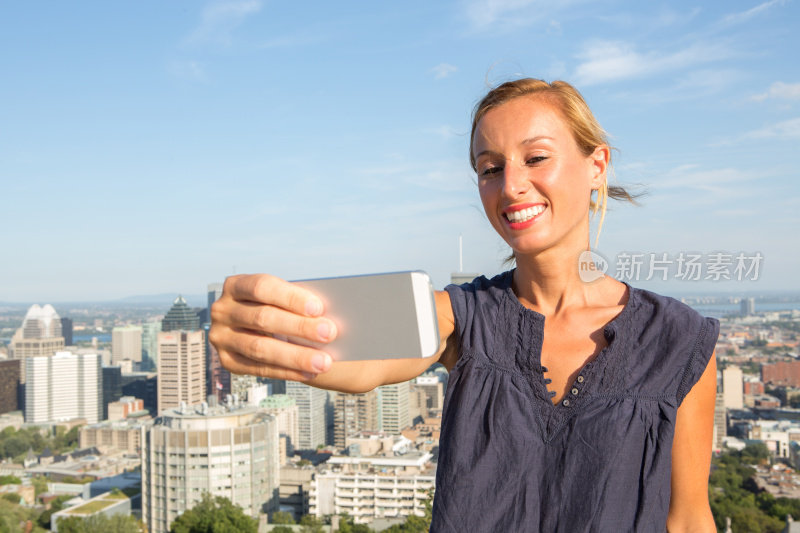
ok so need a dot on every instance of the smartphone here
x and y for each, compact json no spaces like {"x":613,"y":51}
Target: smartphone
{"x":379,"y":316}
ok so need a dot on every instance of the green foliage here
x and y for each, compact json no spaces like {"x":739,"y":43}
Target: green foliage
{"x":11,"y":497}
{"x":118,"y":523}
{"x":282,"y":517}
{"x":10,"y":480}
{"x":282,"y":529}
{"x":39,"y":484}
{"x":311,"y":524}
{"x":14,"y":444}
{"x":734,"y":494}
{"x":214,"y":515}
{"x":346,"y":525}
{"x":55,"y":506}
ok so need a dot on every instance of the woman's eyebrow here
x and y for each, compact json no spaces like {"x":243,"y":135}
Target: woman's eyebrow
{"x":532,"y":140}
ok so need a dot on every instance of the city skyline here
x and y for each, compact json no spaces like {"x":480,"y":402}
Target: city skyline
{"x":333,"y":140}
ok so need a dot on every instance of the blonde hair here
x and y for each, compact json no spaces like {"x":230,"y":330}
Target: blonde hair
{"x":586,"y":131}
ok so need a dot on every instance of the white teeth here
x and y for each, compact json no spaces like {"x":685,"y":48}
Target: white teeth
{"x":524,"y":215}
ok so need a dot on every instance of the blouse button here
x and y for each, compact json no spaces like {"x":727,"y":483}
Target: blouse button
{"x":580,"y":379}
{"x":565,"y":403}
{"x":574,"y":392}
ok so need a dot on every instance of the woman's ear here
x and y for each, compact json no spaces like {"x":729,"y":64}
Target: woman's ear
{"x":599,"y":160}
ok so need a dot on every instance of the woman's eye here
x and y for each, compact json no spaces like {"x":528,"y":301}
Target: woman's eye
{"x":535,"y":159}
{"x":491,"y":170}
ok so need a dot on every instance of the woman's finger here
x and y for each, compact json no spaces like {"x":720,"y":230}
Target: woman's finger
{"x":273,"y":320}
{"x":267,"y":289}
{"x":266,"y":350}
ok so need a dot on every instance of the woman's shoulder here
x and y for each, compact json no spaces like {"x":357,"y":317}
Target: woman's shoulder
{"x":653,"y":308}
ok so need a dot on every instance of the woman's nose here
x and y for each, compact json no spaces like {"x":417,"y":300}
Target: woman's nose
{"x":515,"y":180}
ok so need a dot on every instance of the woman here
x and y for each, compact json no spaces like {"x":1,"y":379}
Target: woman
{"x":571,"y":406}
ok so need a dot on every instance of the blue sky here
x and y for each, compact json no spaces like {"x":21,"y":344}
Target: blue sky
{"x":150,"y":147}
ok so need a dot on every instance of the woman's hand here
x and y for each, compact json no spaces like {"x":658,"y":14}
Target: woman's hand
{"x":251,"y":321}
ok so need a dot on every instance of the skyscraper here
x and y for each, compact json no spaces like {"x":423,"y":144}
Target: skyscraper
{"x":66,"y":330}
{"x":311,"y":414}
{"x":126,"y":343}
{"x":354,"y":413}
{"x":39,"y":336}
{"x":150,"y":332}
{"x":733,"y":387}
{"x":218,"y":380}
{"x":229,"y":451}
{"x":394,"y":415}
{"x":180,"y":317}
{"x":284,"y":409}
{"x":63,"y":387}
{"x":181,"y":369}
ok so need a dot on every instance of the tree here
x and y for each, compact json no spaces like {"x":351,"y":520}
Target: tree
{"x":282,"y":517}
{"x":214,"y":514}
{"x":10,"y":480}
{"x":311,"y":524}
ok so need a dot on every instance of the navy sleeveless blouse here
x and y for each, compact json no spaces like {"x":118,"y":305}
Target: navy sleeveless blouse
{"x":600,"y":460}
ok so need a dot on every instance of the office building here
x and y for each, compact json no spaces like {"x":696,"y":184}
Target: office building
{"x":126,"y":343}
{"x":142,"y":385}
{"x":218,"y":380}
{"x":10,"y":370}
{"x":181,"y":369}
{"x":354,"y":413}
{"x":394,"y":413}
{"x":180,"y":317}
{"x":229,"y":451}
{"x":747,"y":306}
{"x":39,"y":336}
{"x":284,"y":409}
{"x":66,"y":330}
{"x":733,"y":387}
{"x":112,"y":387}
{"x":433,"y":387}
{"x":720,"y":423}
{"x":311,"y":414}
{"x":63,"y":387}
{"x":150,"y":331}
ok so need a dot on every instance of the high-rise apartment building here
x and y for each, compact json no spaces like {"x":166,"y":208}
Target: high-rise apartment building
{"x":10,"y":371}
{"x":227,"y":451}
{"x":733,"y":387}
{"x":394,"y":414}
{"x":180,"y":317}
{"x":63,"y":387}
{"x":126,"y":343}
{"x":39,"y":336}
{"x":181,"y":369}
{"x":720,"y":423}
{"x":747,"y":306}
{"x":311,"y":414}
{"x":354,"y":413}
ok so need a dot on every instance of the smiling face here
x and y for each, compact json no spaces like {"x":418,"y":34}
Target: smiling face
{"x":534,"y":181}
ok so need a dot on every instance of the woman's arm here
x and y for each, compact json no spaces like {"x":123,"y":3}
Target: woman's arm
{"x":689,"y":510}
{"x":255,"y":309}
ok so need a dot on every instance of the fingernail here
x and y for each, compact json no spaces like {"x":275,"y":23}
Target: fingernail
{"x":325,"y":330}
{"x":313,"y":307}
{"x":321,"y":362}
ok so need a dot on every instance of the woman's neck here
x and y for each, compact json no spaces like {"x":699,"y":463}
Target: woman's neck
{"x":549,"y":282}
